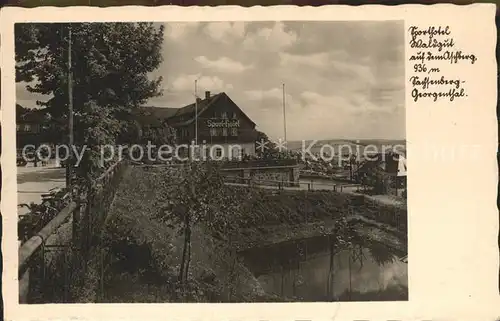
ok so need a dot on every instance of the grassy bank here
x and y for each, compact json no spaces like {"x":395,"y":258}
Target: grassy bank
{"x":264,"y":207}
{"x":142,"y":252}
{"x":145,"y":253}
{"x":269,"y":217}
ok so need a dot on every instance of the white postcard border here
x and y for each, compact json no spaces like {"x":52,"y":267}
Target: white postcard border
{"x":460,"y":283}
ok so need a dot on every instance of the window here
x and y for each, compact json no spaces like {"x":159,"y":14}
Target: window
{"x":234,"y":131}
{"x":234,"y":115}
{"x":27,"y":127}
{"x":224,"y":115}
{"x":236,"y":153}
{"x":224,"y":131}
{"x":213,"y":131}
{"x":18,"y":127}
{"x":218,"y":152}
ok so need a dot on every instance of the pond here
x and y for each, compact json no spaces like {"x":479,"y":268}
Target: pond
{"x":313,"y":270}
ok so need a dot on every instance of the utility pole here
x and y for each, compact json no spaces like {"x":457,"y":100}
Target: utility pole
{"x":196,"y":112}
{"x":284,"y":112}
{"x":69,"y":161}
{"x":196,"y":116}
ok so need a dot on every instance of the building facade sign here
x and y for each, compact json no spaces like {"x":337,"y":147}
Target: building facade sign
{"x":223,"y":123}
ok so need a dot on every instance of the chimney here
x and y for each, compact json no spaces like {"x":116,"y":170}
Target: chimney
{"x":207,"y":94}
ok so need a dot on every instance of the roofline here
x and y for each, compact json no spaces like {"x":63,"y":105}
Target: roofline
{"x":204,"y":109}
{"x":191,"y":120}
{"x":244,"y":114}
{"x":214,"y":99}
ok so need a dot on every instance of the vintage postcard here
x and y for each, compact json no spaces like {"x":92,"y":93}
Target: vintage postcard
{"x":280,"y":163}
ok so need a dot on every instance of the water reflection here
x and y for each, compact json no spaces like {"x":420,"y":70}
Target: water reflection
{"x":314,"y":270}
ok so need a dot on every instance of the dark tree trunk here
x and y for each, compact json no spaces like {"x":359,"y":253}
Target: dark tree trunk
{"x":282,"y":281}
{"x":330,"y":273}
{"x":350,"y":275}
{"x":188,"y":259}
{"x":184,"y":250}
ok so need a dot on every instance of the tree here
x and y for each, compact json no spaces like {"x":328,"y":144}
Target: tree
{"x":196,"y":200}
{"x":353,"y":161}
{"x":96,"y":127}
{"x":111,"y":66}
{"x":201,"y":201}
{"x":21,"y":111}
{"x":226,"y":226}
{"x":158,"y":135}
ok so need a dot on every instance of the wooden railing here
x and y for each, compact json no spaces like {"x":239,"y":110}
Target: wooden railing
{"x":53,"y":262}
{"x":258,"y":163}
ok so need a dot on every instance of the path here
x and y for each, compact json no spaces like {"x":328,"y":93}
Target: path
{"x":387,"y":199}
{"x":319,"y":186}
{"x":32,"y":182}
{"x":309,"y":184}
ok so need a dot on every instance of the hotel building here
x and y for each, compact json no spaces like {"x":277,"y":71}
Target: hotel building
{"x":221,"y":128}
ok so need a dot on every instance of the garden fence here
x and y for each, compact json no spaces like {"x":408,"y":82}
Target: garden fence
{"x":52,"y":264}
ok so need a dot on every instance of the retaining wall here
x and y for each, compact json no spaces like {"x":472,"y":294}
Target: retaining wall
{"x":272,"y":175}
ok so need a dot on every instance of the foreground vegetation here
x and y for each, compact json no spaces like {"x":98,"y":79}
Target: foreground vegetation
{"x":174,"y":234}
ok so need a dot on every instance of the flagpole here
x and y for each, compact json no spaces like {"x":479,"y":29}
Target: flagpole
{"x":70,"y":111}
{"x":284,"y":112}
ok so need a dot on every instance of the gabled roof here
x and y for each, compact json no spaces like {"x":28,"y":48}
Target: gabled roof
{"x":241,"y":111}
{"x":203,"y":105}
{"x":158,"y":112}
{"x":153,"y":116}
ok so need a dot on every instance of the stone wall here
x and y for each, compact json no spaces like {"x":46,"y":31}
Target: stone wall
{"x":273,"y":176}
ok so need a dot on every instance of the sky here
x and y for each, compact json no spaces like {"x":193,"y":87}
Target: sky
{"x":342,"y":79}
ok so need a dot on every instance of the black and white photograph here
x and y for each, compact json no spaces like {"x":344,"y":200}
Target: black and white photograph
{"x":271,"y":163}
{"x":219,"y":162}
